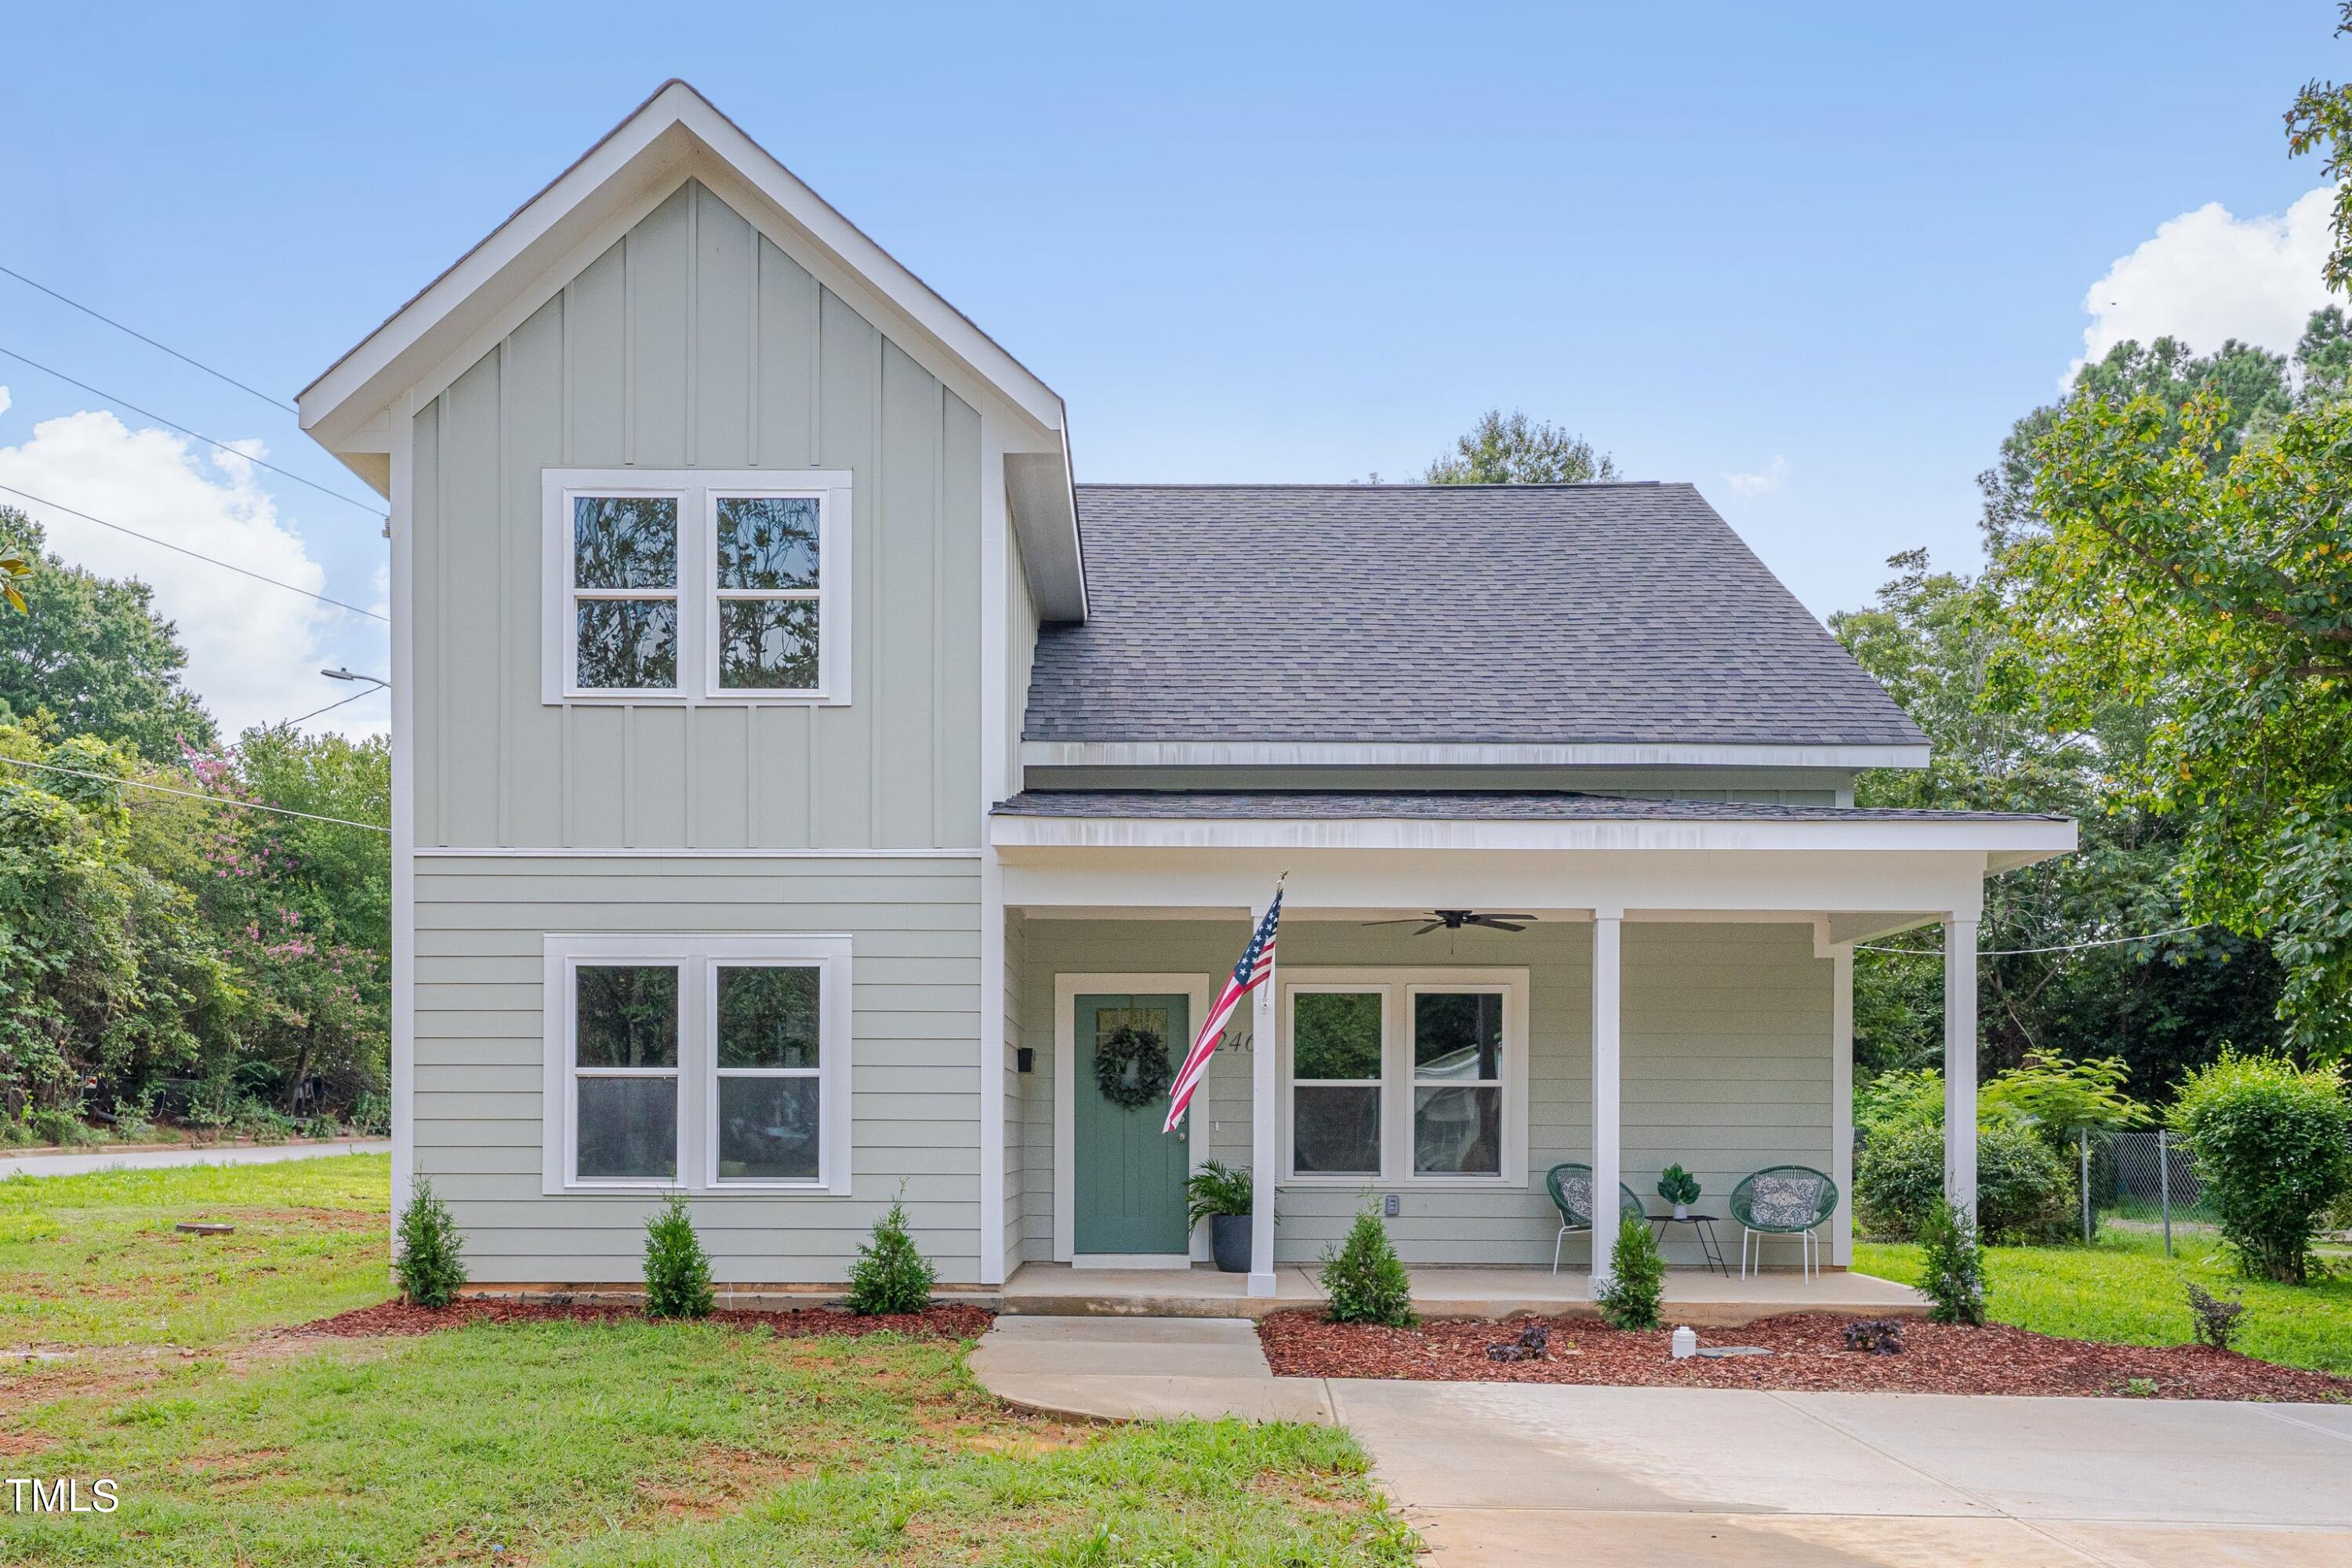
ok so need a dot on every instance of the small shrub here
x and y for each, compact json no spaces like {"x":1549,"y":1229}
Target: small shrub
{"x":2214,"y":1319}
{"x":1952,"y":1267}
{"x":429,"y":1255}
{"x":1874,"y":1336}
{"x":1677,"y":1185}
{"x":371,"y":1115}
{"x":1636,"y":1286}
{"x":1217,"y":1188}
{"x":64,"y":1129}
{"x":1365,"y":1278}
{"x":134,"y":1120}
{"x":2140,"y":1387}
{"x":2024,"y":1192}
{"x":891,"y":1275}
{"x":2269,"y":1142}
{"x":678,"y":1271}
{"x":323,"y":1127}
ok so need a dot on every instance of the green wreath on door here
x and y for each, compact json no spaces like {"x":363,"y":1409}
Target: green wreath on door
{"x":1131,"y":1067}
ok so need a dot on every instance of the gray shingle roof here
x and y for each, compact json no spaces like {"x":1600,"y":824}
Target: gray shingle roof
{"x":1449,"y":805}
{"x":1439,"y":614}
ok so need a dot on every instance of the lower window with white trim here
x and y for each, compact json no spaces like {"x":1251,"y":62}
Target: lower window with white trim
{"x":696,"y":1063}
{"x":1417,"y":1076}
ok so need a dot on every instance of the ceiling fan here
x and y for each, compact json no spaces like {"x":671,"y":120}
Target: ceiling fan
{"x":1455,"y":919}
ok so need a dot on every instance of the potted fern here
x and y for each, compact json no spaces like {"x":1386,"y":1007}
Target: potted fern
{"x":1225,"y":1198}
{"x":1678,"y":1187}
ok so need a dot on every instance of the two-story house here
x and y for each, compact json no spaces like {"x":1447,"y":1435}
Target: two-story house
{"x":799,"y":776}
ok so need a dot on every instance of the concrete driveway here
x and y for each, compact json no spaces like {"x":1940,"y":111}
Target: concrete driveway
{"x":1502,"y":1473}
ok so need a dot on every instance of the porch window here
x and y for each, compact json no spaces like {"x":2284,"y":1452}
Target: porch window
{"x":712,"y":1064}
{"x":1335,"y":1084}
{"x":1458,"y":1083}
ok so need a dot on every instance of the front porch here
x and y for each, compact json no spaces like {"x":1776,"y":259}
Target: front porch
{"x":1694,"y":1296}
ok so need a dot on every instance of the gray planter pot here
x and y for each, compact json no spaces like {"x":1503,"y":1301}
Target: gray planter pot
{"x":1229,"y":1240}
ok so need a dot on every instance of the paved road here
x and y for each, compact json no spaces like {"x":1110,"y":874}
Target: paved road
{"x":79,"y":1162}
{"x":1663,"y":1477}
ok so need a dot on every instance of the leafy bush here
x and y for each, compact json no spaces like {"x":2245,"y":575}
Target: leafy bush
{"x":428,"y":1254}
{"x":2215,"y":1320}
{"x":1217,"y":1188}
{"x":891,"y":1275}
{"x":1899,"y":1099}
{"x":371,"y":1115}
{"x":2024,"y":1191}
{"x":1365,"y":1278}
{"x":678,"y":1271}
{"x":2059,"y":1099}
{"x":2269,"y":1142}
{"x":1952,"y":1267}
{"x":1636,"y":1286}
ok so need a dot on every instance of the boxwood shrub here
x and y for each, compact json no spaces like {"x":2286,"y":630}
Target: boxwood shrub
{"x":2269,"y":1140}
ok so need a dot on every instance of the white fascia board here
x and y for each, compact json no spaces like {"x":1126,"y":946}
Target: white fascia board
{"x":639,"y":155}
{"x":2016,"y":843}
{"x":1380,"y":753}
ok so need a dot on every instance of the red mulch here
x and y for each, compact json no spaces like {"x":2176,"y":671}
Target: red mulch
{"x":950,"y":1322}
{"x":1809,"y":1354}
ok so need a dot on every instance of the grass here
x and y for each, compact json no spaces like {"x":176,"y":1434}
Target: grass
{"x":568,"y":1444}
{"x":2123,"y":1289}
{"x":93,"y":1260}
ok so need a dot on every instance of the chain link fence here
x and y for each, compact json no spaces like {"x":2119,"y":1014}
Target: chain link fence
{"x":2139,"y":1178}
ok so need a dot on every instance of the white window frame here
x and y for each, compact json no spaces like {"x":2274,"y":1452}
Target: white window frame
{"x":697,"y":960}
{"x":698,"y":492}
{"x":1398,"y":986}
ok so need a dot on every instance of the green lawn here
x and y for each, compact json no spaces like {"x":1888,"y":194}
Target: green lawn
{"x":2124,"y":1290}
{"x":604,"y":1444}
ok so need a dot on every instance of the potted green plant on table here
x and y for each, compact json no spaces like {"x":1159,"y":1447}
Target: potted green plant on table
{"x":1678,"y":1187}
{"x":1225,"y":1198}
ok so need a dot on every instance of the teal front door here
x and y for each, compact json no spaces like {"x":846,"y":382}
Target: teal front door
{"x":1128,"y":1177}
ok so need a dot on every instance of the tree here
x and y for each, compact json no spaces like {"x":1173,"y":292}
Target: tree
{"x":1511,"y":450}
{"x":97,"y":657}
{"x":2321,"y":120}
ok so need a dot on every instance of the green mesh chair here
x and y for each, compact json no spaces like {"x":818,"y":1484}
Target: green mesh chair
{"x":1784,"y":1200}
{"x":1571,"y":1194}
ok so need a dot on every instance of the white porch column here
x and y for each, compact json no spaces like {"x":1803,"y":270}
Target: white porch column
{"x":1607,"y":1105}
{"x":1262,"y":1108}
{"x":1960,"y":1062}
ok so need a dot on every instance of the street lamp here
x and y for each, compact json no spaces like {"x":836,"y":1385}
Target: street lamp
{"x":351,"y":675}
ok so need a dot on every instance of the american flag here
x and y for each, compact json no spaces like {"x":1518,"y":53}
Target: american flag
{"x":1257,"y":962}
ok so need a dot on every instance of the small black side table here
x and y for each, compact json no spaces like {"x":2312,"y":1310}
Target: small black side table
{"x":1703,"y":1228}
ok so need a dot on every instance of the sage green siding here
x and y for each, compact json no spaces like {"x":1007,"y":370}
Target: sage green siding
{"x":1726,"y":1065}
{"x":695,"y":342}
{"x":481,"y":924}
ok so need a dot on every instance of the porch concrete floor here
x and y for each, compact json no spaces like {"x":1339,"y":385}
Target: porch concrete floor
{"x":1694,"y":1296}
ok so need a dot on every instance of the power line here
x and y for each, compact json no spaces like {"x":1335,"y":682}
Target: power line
{"x":146,"y":414}
{"x":198,"y":795}
{"x":118,"y":326}
{"x":339,"y":604}
{"x":329,"y":708}
{"x":2022,"y":952}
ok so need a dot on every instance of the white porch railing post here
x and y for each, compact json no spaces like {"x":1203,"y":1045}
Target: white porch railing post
{"x":1960,"y":1063}
{"x":1262,"y":1108}
{"x":1607,"y":1111}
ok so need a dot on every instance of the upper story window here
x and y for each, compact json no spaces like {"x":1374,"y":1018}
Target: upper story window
{"x":694,"y":586}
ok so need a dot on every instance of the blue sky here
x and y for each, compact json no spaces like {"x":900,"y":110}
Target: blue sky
{"x":1815,"y":260}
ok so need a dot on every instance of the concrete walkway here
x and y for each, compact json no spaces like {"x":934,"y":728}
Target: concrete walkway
{"x":1647,"y":1478}
{"x":82,"y":1162}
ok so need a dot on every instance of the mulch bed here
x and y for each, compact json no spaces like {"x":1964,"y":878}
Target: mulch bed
{"x":1808,"y":1353}
{"x":947,"y":1322}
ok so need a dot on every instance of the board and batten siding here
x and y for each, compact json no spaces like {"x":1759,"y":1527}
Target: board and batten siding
{"x":481,"y":924}
{"x":695,"y":342}
{"x":1726,"y":1067}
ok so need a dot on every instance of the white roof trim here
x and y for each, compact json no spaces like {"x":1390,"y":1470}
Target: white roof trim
{"x":2004,"y":843}
{"x":657,"y":139}
{"x":1374,"y":753}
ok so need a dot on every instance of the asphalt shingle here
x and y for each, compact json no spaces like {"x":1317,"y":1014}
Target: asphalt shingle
{"x":1439,"y":614}
{"x":1448,"y":805}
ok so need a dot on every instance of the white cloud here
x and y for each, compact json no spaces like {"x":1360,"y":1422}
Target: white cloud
{"x":4,"y":400}
{"x":2207,"y":275}
{"x":254,"y":650}
{"x":1768,"y":478}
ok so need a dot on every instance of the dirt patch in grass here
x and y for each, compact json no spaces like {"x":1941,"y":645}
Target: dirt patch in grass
{"x":950,"y":1322}
{"x":1808,"y":1353}
{"x":719,"y":1480}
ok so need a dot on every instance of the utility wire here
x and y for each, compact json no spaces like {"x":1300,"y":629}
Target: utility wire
{"x":197,"y":794}
{"x":329,"y":708}
{"x":339,"y":604}
{"x":2020,"y":952}
{"x":118,"y":326}
{"x":199,"y":435}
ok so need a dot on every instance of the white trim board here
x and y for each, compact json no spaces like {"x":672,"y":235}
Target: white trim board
{"x":1395,"y":754}
{"x":643,"y":852}
{"x":1067,"y":989}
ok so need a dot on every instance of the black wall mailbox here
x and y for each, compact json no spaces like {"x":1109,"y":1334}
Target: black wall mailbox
{"x":1025,"y":1059}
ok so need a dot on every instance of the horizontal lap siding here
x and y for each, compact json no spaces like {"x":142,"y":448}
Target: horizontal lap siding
{"x":1726,"y":1066}
{"x":915,"y":1102}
